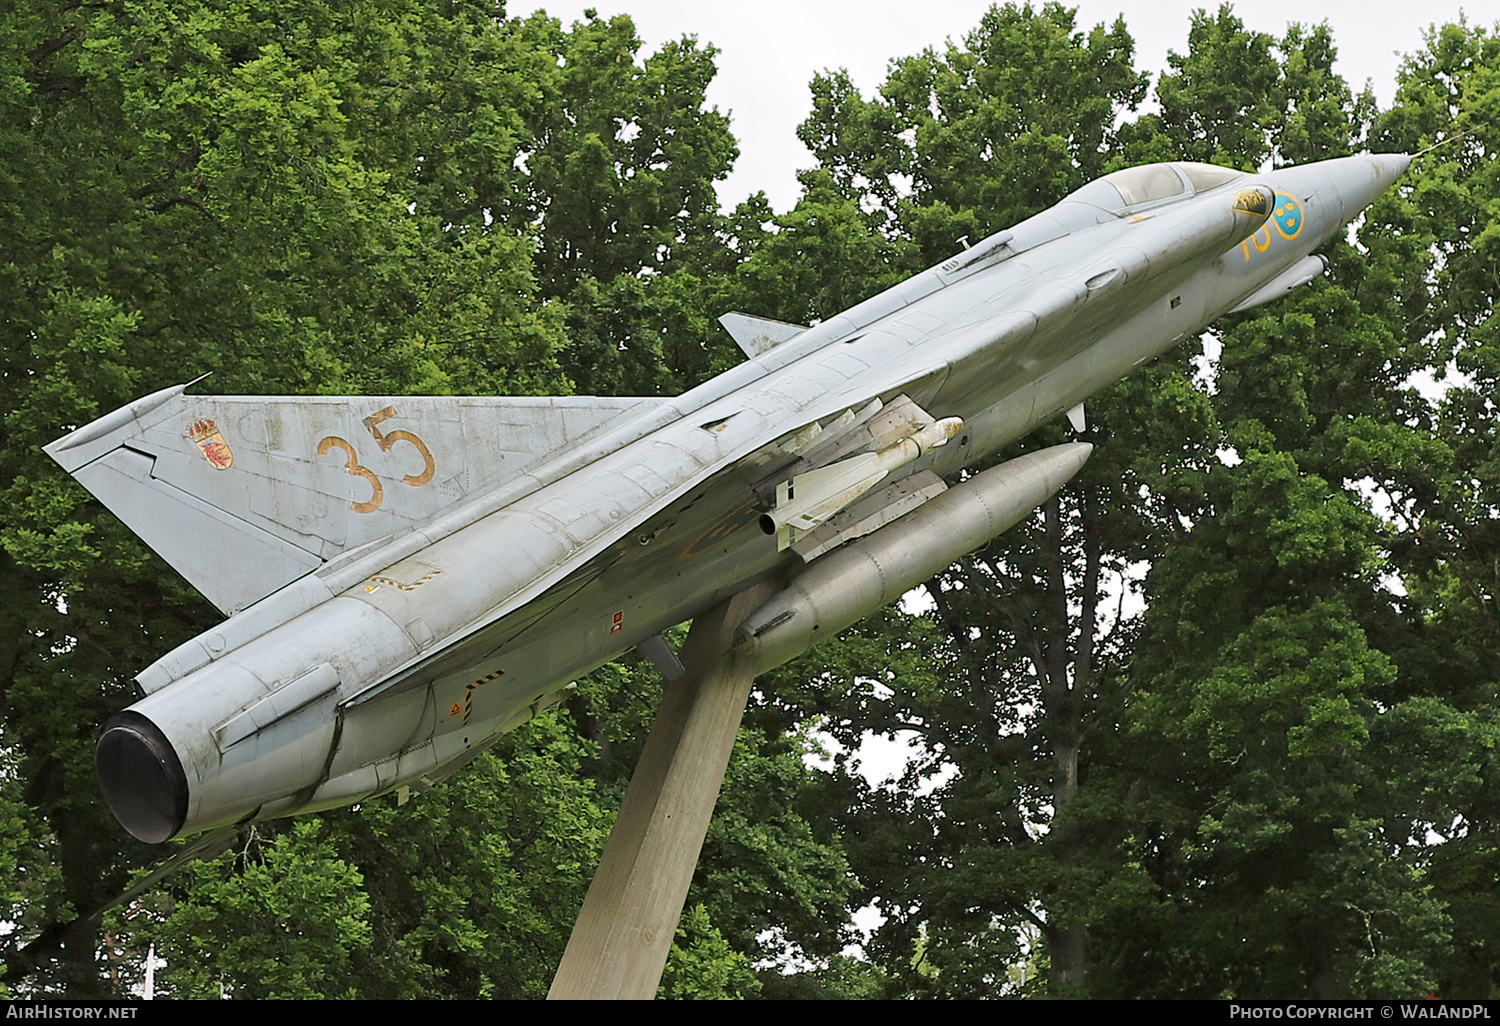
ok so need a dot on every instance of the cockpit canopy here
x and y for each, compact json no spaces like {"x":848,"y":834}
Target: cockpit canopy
{"x":1151,"y":184}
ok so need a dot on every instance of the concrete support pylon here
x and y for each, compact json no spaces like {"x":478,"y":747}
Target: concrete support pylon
{"x":619,"y":945}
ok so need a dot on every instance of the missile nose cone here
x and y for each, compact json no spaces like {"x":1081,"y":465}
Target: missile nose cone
{"x":141,"y":778}
{"x":1071,"y":456}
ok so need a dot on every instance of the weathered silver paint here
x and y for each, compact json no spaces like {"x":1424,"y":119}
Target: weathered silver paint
{"x":853,"y":581}
{"x":424,"y":573}
{"x":808,"y":500}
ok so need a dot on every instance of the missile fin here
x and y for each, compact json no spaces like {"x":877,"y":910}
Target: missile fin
{"x":656,"y":649}
{"x":807,"y":500}
{"x":883,"y":444}
{"x":1076,"y":419}
{"x":870,"y":514}
{"x":873,"y":427}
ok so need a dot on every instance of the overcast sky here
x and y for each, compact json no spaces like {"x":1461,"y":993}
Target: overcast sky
{"x":770,"y":49}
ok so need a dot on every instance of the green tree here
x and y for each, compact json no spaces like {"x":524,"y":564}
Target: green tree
{"x":1008,"y":687}
{"x":1292,"y":752}
{"x":972,"y":140}
{"x":190,"y":188}
{"x":1096,"y":813}
{"x":390,"y":198}
{"x":1275,"y":656}
{"x":284,"y":920}
{"x":1218,"y":99}
{"x":621,"y":157}
{"x":1440,"y":478}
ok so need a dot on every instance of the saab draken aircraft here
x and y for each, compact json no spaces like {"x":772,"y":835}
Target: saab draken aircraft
{"x":407,"y":577}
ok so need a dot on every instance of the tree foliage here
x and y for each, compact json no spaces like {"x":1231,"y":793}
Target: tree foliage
{"x":1133,"y":804}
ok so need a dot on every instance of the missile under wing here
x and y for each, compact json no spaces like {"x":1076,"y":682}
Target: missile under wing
{"x":407,"y":577}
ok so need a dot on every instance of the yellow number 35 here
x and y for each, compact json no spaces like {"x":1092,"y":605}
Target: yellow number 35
{"x":385,"y":441}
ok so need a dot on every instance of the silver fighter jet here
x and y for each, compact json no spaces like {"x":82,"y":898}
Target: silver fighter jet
{"x":407,"y":577}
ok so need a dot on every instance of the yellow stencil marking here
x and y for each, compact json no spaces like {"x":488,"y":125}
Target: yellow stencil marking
{"x":413,"y":586}
{"x":467,"y":705}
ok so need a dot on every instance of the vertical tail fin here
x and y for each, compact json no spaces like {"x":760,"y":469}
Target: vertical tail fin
{"x":244,"y":494}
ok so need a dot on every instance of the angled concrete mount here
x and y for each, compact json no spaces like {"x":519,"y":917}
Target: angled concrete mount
{"x":619,"y":945}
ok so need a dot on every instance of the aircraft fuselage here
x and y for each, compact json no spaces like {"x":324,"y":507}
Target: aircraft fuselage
{"x":395,"y":662}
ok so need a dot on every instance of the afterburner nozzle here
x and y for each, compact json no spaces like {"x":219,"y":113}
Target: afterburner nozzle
{"x":141,"y":777}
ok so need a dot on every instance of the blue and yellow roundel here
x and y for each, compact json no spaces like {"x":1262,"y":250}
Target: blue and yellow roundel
{"x":1287,"y":215}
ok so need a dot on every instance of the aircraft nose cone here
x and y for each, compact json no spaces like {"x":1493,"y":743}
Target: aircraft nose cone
{"x":141,"y":778}
{"x":1385,"y":168}
{"x":1394,"y":165}
{"x":1360,"y":179}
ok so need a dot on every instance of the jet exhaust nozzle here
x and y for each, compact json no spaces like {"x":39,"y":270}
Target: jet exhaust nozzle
{"x":217,"y":745}
{"x":141,"y":777}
